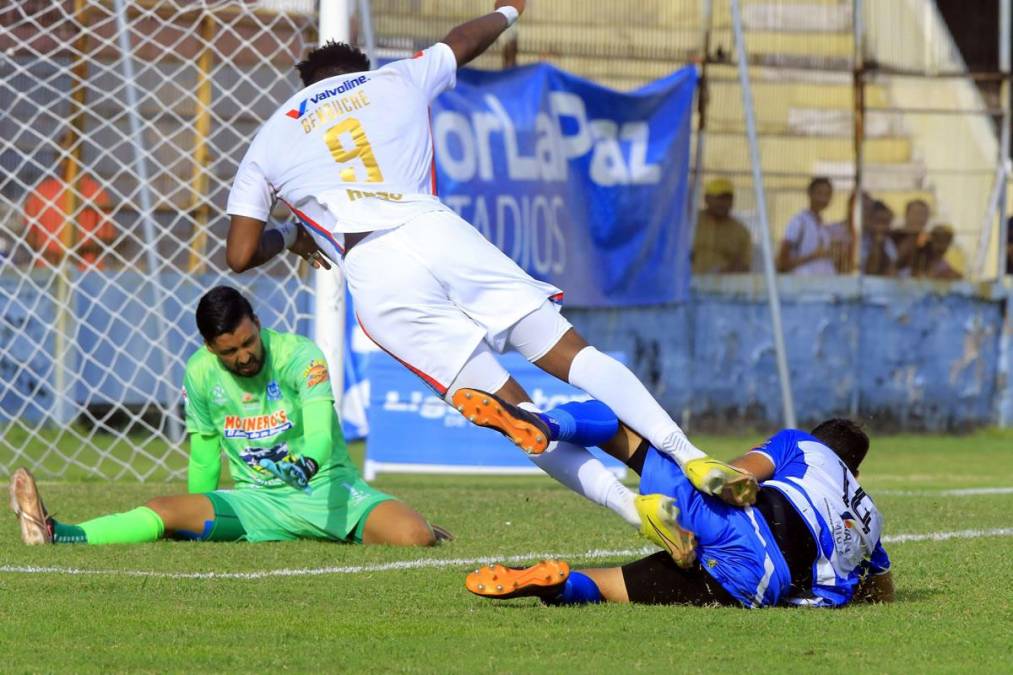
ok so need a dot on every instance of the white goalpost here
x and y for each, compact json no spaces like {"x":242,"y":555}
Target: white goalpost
{"x":329,"y":285}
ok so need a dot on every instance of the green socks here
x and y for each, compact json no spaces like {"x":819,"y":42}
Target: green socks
{"x":133,"y":527}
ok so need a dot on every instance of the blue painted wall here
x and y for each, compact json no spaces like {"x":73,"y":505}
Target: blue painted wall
{"x":907,"y":354}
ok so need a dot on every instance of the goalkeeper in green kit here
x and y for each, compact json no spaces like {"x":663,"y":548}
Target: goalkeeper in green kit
{"x":265,"y":399}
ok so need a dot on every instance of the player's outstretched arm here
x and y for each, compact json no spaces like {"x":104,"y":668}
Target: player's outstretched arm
{"x":249,"y":245}
{"x":472,"y":38}
{"x":756,"y":464}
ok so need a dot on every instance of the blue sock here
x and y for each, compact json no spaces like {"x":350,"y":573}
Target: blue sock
{"x":579,"y":589}
{"x":558,"y":425}
{"x":584,"y":423}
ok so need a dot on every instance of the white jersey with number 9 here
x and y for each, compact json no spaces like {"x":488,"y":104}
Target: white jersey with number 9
{"x":352,"y":153}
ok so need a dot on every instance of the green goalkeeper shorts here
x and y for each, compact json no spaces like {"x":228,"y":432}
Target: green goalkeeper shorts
{"x":335,"y":511}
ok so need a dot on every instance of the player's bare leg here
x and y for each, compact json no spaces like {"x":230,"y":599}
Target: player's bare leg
{"x":185,"y":515}
{"x":610,"y":583}
{"x":394,"y":523}
{"x":573,"y":360}
{"x":651,"y":580}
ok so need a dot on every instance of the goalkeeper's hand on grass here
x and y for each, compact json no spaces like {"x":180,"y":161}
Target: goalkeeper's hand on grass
{"x":294,"y":471}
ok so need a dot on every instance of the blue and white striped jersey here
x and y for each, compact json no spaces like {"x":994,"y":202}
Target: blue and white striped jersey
{"x":843,"y":519}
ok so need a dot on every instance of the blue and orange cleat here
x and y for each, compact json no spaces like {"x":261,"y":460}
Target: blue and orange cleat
{"x":543,"y":580}
{"x":524,"y":429}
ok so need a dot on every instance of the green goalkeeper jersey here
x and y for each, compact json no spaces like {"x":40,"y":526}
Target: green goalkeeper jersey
{"x":261,"y":417}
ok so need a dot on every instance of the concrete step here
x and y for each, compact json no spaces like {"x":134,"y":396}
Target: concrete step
{"x":824,"y":122}
{"x":743,"y":180}
{"x":805,"y":47}
{"x":618,"y":32}
{"x":603,"y":40}
{"x":798,"y":154}
{"x":790,"y":106}
{"x":663,"y":13}
{"x":674,"y":14}
{"x":803,"y":18}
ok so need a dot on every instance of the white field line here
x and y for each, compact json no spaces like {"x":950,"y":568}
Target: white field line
{"x":596,"y":554}
{"x":959,"y":492}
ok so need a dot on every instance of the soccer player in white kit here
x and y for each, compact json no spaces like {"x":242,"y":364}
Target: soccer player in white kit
{"x":351,"y":155}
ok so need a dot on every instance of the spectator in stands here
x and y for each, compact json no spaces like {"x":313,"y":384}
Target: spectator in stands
{"x":879,"y":254}
{"x":842,"y":234}
{"x":45,"y":215}
{"x":807,"y":245}
{"x":930,"y":259}
{"x":721,"y":244}
{"x":912,"y":234}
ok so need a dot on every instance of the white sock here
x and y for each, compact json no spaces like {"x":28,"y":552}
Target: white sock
{"x":579,"y":470}
{"x":616,"y":386}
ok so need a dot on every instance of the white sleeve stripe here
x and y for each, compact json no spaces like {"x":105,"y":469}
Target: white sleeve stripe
{"x":768,"y":564}
{"x":767,"y":455}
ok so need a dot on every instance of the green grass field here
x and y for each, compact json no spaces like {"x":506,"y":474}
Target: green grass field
{"x":143,"y":608}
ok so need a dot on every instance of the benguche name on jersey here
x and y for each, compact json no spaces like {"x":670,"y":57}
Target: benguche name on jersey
{"x":333,"y":109}
{"x":258,"y":426}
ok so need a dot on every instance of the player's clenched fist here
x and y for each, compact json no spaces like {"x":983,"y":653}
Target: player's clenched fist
{"x":516,"y":4}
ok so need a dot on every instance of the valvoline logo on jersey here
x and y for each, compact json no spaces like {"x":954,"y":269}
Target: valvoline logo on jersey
{"x":348,"y":85}
{"x":257,"y":426}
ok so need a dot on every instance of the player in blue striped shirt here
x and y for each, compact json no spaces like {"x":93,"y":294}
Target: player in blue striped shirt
{"x":812,"y":538}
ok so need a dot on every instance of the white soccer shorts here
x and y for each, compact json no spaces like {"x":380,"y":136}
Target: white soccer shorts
{"x":429,"y":291}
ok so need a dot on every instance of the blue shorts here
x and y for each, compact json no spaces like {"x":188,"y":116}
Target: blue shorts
{"x":735,"y":546}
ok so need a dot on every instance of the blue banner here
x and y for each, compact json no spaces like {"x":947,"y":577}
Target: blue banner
{"x":583,"y":186}
{"x":411,"y":429}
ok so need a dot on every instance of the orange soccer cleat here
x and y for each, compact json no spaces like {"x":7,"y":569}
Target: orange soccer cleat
{"x":526,"y":430}
{"x":542,"y":580}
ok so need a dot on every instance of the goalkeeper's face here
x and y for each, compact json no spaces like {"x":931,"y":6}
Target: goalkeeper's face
{"x":240,"y":351}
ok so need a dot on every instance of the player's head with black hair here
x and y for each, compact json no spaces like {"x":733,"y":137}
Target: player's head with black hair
{"x":331,"y":59}
{"x":846,"y":438}
{"x":220,"y":311}
{"x":231,"y":330}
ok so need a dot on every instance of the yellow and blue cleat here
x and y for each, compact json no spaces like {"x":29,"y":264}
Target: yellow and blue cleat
{"x":712,"y":477}
{"x":659,"y":524}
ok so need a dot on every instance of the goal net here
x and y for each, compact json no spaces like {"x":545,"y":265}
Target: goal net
{"x":122,"y":126}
